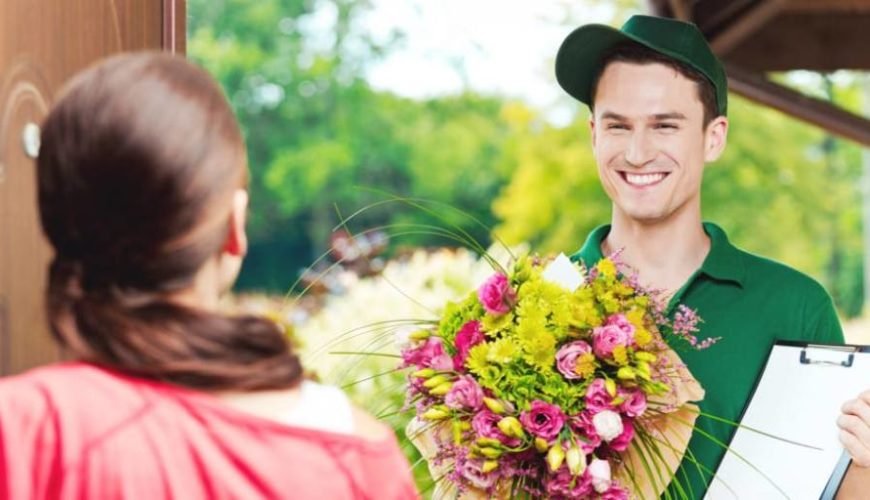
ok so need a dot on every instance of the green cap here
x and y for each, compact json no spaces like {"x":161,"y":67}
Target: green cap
{"x":579,"y":59}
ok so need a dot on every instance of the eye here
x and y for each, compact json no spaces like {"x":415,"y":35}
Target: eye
{"x":617,"y":126}
{"x":665,"y":126}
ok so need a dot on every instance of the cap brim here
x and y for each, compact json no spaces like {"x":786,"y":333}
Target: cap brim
{"x":579,"y":58}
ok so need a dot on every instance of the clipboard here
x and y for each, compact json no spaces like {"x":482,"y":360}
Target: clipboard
{"x":797,"y":398}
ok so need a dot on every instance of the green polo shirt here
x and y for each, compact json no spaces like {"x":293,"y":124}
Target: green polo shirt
{"x":748,"y":302}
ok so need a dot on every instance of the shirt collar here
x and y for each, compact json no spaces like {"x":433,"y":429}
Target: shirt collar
{"x":724,"y":262}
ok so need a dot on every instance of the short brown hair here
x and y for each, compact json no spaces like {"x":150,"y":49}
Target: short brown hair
{"x":639,"y":54}
{"x":139,"y":163}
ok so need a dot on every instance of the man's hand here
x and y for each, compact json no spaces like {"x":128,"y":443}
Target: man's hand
{"x":854,"y":426}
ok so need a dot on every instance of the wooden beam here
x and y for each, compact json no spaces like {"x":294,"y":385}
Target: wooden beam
{"x":828,"y":6}
{"x":823,"y":114}
{"x":175,"y":26}
{"x":817,"y":42}
{"x":745,"y":25}
{"x":681,"y":9}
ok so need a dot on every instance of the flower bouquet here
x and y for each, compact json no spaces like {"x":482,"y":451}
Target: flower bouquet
{"x":553,"y":381}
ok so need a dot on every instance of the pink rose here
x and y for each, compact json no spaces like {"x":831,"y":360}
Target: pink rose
{"x":615,"y":493}
{"x":606,"y":338}
{"x":496,"y":294}
{"x":584,"y":430}
{"x":634,"y":403}
{"x":621,"y":322}
{"x":563,"y":484}
{"x":429,"y":354}
{"x":467,"y":337}
{"x":597,"y":397}
{"x":472,"y":471}
{"x":464,"y":394}
{"x":543,"y":420}
{"x":621,"y":443}
{"x":566,"y":358}
{"x":485,"y":424}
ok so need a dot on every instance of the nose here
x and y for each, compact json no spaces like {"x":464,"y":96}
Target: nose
{"x":639,"y":151}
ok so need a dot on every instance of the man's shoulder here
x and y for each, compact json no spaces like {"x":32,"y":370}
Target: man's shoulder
{"x":764,"y":272}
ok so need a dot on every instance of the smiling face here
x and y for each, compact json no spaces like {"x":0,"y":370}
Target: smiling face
{"x":650,"y":142}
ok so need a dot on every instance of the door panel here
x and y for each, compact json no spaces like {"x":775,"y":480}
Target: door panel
{"x":43,"y":43}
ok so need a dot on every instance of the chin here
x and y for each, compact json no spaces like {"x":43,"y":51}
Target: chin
{"x":646,"y":216}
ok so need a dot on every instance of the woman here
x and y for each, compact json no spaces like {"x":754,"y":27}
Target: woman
{"x":142,"y":194}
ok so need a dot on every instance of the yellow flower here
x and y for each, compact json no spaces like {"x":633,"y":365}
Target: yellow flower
{"x":502,"y":351}
{"x":620,"y":355}
{"x":477,"y":360}
{"x":606,"y":268}
{"x":585,"y":366}
{"x":642,"y":336}
{"x":494,"y":324}
{"x":635,"y":317}
{"x":585,"y":314}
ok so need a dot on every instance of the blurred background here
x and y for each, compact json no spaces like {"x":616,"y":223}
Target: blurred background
{"x":455,"y":101}
{"x":346,"y":102}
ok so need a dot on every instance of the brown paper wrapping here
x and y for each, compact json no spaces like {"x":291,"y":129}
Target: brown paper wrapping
{"x":674,"y":428}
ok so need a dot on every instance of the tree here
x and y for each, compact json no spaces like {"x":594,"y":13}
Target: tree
{"x":317,"y":133}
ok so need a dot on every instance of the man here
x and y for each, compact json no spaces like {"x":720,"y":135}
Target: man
{"x":659,"y":99}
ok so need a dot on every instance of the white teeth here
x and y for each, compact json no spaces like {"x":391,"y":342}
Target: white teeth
{"x":644,"y":179}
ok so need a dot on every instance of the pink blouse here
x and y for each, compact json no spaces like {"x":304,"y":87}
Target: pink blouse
{"x":77,"y":431}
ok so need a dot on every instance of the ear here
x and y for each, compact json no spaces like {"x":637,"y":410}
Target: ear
{"x":237,"y":239}
{"x":593,"y":135}
{"x":715,"y":138}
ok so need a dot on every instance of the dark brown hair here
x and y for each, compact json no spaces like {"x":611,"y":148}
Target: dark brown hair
{"x":139,"y":163}
{"x":639,"y":54}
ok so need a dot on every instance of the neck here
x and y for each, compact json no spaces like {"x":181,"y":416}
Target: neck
{"x":204,"y":292}
{"x":665,"y":253}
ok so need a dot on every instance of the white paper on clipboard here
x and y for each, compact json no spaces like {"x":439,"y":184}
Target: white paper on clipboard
{"x":798,"y":398}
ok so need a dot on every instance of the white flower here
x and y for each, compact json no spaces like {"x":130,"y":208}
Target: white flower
{"x":599,"y":470}
{"x":608,"y":425}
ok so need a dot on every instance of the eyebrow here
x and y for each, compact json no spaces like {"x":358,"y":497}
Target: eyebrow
{"x":609,"y":115}
{"x":669,"y":116}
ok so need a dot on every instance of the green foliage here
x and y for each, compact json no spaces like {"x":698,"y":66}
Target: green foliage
{"x":317,"y":133}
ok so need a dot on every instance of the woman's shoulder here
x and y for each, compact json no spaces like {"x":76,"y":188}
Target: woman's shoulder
{"x":74,"y":381}
{"x":39,"y":386}
{"x":73,"y":394}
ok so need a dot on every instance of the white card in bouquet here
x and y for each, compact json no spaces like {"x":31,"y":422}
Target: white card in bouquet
{"x":564,"y":273}
{"x":798,"y":398}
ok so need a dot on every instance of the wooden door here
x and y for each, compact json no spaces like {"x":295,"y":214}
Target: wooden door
{"x":43,"y":43}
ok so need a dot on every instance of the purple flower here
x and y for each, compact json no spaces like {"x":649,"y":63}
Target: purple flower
{"x":606,"y":338}
{"x":485,"y":424}
{"x":563,"y":484}
{"x":621,"y":322}
{"x":566,"y":358}
{"x":584,"y":430}
{"x":464,"y":394}
{"x":634,"y":403}
{"x":467,"y":337}
{"x":621,"y":443}
{"x":615,"y":493}
{"x":597,"y":397}
{"x":543,"y":420}
{"x":471,"y":470}
{"x":429,"y":354}
{"x":496,"y":294}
